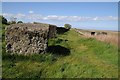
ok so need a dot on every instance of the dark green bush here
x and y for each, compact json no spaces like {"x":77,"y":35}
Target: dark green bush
{"x":19,"y":22}
{"x":3,"y":20}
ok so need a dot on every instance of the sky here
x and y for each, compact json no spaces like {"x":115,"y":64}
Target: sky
{"x":82,"y":15}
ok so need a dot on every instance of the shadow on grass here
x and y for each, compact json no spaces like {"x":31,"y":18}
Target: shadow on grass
{"x":55,"y":50}
{"x":58,"y":50}
{"x":35,"y":57}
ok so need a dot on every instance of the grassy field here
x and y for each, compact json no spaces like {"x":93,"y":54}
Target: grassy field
{"x":111,"y":37}
{"x":69,"y":56}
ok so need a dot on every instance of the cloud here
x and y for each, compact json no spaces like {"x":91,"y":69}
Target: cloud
{"x":7,"y":14}
{"x":31,"y":12}
{"x":96,"y":18}
{"x":19,"y":16}
{"x":78,"y":18}
{"x":36,"y":17}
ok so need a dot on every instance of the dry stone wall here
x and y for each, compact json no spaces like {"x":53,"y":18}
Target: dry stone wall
{"x":28,"y":38}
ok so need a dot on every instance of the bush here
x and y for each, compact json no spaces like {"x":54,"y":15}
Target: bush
{"x":19,"y":22}
{"x":67,"y":26}
{"x":3,"y":19}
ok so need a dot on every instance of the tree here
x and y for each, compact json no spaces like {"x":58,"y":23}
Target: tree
{"x":19,"y":22}
{"x":67,"y":26}
{"x":3,"y":19}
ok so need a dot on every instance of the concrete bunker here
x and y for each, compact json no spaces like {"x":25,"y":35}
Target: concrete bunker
{"x":93,"y":33}
{"x":102,"y":33}
{"x":28,"y":38}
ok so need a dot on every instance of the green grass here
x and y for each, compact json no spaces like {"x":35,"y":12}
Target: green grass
{"x":87,"y":58}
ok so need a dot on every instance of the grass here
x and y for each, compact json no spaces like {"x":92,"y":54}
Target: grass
{"x":70,"y":56}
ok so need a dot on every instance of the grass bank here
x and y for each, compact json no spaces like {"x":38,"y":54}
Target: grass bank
{"x":69,"y":56}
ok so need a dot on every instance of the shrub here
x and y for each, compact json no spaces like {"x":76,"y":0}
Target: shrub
{"x":67,"y":26}
{"x":3,"y":19}
{"x":19,"y":22}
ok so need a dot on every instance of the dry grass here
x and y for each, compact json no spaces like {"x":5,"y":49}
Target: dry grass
{"x":110,"y":38}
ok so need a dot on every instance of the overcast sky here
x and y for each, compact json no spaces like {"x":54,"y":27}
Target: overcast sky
{"x":85,"y":15}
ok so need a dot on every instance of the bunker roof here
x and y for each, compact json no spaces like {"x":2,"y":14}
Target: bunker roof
{"x":31,"y":26}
